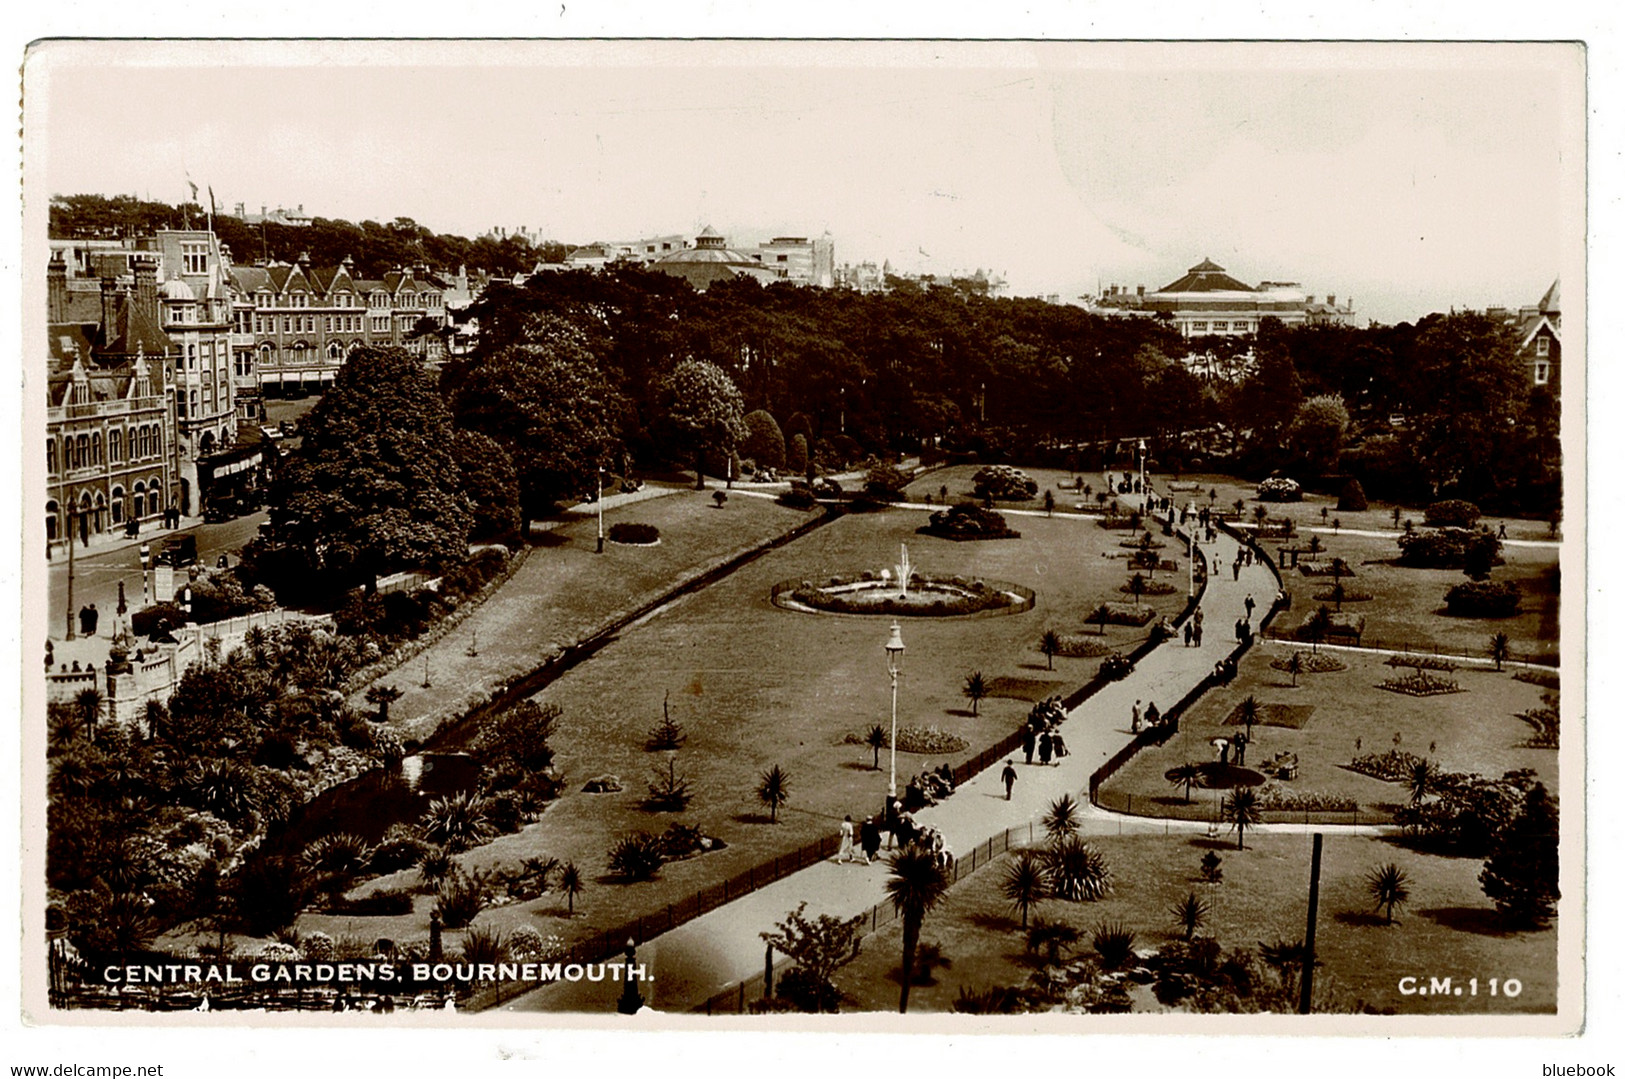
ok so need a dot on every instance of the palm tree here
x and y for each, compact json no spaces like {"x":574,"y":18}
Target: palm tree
{"x":774,"y":790}
{"x":1500,"y":649}
{"x":1423,"y":780}
{"x":976,"y":689}
{"x":1286,"y":959}
{"x":457,"y":821}
{"x":383,"y":696}
{"x":1186,"y":775}
{"x":1240,"y":808}
{"x":1136,"y":587}
{"x":89,"y":703}
{"x":877,"y":739}
{"x":1114,"y":944}
{"x":1051,"y":937}
{"x":1388,"y":886}
{"x":1024,"y":884}
{"x":916,"y":884}
{"x":1077,"y":872}
{"x":1318,"y":626}
{"x":1189,"y":914}
{"x":1050,"y":645}
{"x":1339,"y":593}
{"x":570,"y":884}
{"x":1248,"y":711}
{"x":1294,"y":667}
{"x":1314,"y":546}
{"x":1062,"y":819}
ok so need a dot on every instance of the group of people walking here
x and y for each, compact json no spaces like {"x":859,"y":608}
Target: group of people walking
{"x":897,"y":826}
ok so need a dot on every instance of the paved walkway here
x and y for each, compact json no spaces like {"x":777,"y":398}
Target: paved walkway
{"x":723,"y":947}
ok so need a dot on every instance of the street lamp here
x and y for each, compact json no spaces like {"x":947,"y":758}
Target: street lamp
{"x":600,"y":509}
{"x":1145,"y":492}
{"x":894,"y":664}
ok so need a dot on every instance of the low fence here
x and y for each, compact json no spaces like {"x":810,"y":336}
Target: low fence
{"x":1418,"y":648}
{"x":735,"y":999}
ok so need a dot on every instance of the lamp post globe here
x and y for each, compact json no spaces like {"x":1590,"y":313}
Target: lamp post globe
{"x":894,"y":666}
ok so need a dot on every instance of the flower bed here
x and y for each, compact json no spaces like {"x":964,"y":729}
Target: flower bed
{"x":1312,"y":663}
{"x":928,"y":741}
{"x":1273,"y":796}
{"x":1121,"y":614}
{"x":1079,"y":646}
{"x":1422,"y":663}
{"x":634,"y":534}
{"x":968,"y":521}
{"x":1544,"y":679}
{"x":1350,"y":595}
{"x":929,"y":597}
{"x":1004,"y":481}
{"x":1280,"y":489}
{"x":1150,"y":588}
{"x":1420,"y":684}
{"x":1394,"y":766}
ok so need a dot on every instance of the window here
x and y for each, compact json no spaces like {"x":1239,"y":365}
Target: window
{"x":287,"y":323}
{"x":115,"y":445}
{"x":1543,"y":346}
{"x":96,"y":448}
{"x":1543,"y":373}
{"x":333,"y":351}
{"x":50,"y":455}
{"x":191,"y":355}
{"x":1199,"y":327}
{"x":194,"y":258}
{"x":118,"y":505}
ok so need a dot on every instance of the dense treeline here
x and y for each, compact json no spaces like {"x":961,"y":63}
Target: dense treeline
{"x":376,"y":248}
{"x":1441,"y":408}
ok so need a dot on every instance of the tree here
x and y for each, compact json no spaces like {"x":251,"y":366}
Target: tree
{"x":819,"y":946}
{"x":1190,"y":914}
{"x":1520,"y":875}
{"x":1389,"y":888}
{"x":1077,"y":872}
{"x":1240,"y":808}
{"x":89,"y":703}
{"x":1024,"y":884}
{"x":1050,"y":938}
{"x":701,"y":412}
{"x":877,"y":739}
{"x":518,"y":736}
{"x":1500,"y":649}
{"x":798,"y":459}
{"x":668,"y":734}
{"x":1317,"y":431}
{"x":570,"y":884}
{"x":1063,"y":818}
{"x":1318,"y":627}
{"x":916,"y":883}
{"x":1185,"y":775}
{"x":1339,"y":593}
{"x":457,"y":821}
{"x":763,"y":441}
{"x":382,"y":696}
{"x":1050,"y":644}
{"x":975,"y":689}
{"x":491,"y":485}
{"x":1294,"y":667}
{"x":1136,"y":587}
{"x":773,"y":790}
{"x":549,"y":406}
{"x":1248,"y":712}
{"x":1422,"y":780}
{"x":374,"y":485}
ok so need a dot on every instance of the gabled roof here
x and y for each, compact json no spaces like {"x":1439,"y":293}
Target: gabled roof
{"x":1551,"y":303}
{"x":1207,"y":276}
{"x":134,"y":330}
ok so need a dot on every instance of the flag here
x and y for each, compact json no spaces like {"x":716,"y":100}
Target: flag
{"x":193,"y":186}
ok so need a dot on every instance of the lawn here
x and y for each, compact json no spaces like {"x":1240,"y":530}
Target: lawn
{"x":1407,"y":608}
{"x":755,"y":685}
{"x":1448,"y":927}
{"x":1378,"y":516}
{"x":1477,"y":730}
{"x":565,"y":592}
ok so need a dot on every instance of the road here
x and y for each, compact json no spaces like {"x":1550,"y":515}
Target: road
{"x":98,"y":570}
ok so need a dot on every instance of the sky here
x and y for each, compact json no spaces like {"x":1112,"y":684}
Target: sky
{"x":1410,"y":178}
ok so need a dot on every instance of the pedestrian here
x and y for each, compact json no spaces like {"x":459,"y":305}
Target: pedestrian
{"x":1241,"y":628}
{"x":1009,"y":777}
{"x":95,"y":617}
{"x":1198,"y":619}
{"x":84,"y":621}
{"x":1045,"y":748}
{"x":1152,"y":716}
{"x":1198,"y":629}
{"x":869,"y":839}
{"x":1190,"y":633}
{"x":846,"y":854}
{"x":1029,"y":742}
{"x":1135,"y":727}
{"x":893,"y":820}
{"x":1249,"y":604}
{"x":1058,"y":745}
{"x":1502,"y":533}
{"x":1235,"y":569}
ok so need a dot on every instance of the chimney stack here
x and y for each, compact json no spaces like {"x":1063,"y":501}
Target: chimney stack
{"x":146,"y":284}
{"x":1139,"y":290}
{"x":109,"y":306}
{"x":1331,"y":299}
{"x":56,"y":287}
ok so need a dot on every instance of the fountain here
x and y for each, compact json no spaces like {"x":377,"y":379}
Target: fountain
{"x":903,"y":570}
{"x":907,"y":593}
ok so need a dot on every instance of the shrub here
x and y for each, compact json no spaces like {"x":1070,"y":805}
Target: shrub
{"x":1544,"y":679}
{"x":638,"y":856}
{"x":157,"y":620}
{"x":1452,"y":512}
{"x":1280,"y":489}
{"x":1483,"y":599}
{"x":796,"y":460}
{"x":968,"y":521}
{"x":763,"y":441}
{"x":1311,"y":663}
{"x":484,"y":945}
{"x":1003,"y":481}
{"x":799,"y":497}
{"x":885,"y":482}
{"x":1352,"y":500}
{"x":399,"y":849}
{"x":461,"y":898}
{"x":633,"y":532}
{"x":1082,"y":646}
{"x":1446,"y":548}
{"x":929,"y":741}
{"x":386,"y":902}
{"x":1121,"y":614}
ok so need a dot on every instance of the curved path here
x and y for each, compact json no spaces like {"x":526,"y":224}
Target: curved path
{"x":699,"y":959}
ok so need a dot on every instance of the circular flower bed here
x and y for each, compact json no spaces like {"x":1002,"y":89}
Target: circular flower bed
{"x":1280,"y":489}
{"x":927,"y":597}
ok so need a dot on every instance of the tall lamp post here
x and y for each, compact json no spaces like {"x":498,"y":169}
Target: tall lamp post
{"x":1145,"y":492}
{"x":894,"y":664}
{"x":600,"y":509}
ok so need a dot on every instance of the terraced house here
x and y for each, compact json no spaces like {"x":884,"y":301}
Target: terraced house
{"x":298,"y":322}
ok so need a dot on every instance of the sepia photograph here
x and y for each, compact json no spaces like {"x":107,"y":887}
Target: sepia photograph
{"x":952,"y":536}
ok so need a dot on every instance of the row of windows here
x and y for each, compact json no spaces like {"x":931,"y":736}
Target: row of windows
{"x":344,"y":299}
{"x":299,"y":352}
{"x":1221,"y":327}
{"x":308,"y":323}
{"x":85,"y":450}
{"x":141,"y":502}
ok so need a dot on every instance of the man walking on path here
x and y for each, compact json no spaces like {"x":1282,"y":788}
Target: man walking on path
{"x":1249,"y":604}
{"x":1135,"y":726}
{"x":869,"y":839}
{"x":1045,"y":748}
{"x":1028,"y":742}
{"x":1009,"y":777}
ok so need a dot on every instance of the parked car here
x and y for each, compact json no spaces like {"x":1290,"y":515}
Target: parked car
{"x":180,"y":551}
